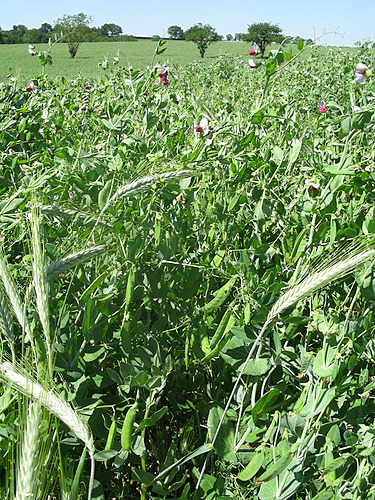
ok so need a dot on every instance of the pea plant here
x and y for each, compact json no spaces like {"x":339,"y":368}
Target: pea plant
{"x":186,"y":280}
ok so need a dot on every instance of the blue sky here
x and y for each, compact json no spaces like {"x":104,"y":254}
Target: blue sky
{"x":354,"y":20}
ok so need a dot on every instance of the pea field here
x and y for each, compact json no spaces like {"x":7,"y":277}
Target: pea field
{"x":186,"y":277}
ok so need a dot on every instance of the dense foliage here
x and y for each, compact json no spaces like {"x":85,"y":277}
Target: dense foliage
{"x":149,"y":222}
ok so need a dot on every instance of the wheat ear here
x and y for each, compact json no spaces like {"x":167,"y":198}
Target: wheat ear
{"x":40,"y":281}
{"x":55,"y":403}
{"x":27,"y":467}
{"x":6,"y":321}
{"x":330,"y":272}
{"x":146,"y":182}
{"x":72,"y":259}
{"x":14,"y":297}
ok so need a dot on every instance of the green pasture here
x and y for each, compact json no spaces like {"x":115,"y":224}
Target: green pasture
{"x":15,"y":60}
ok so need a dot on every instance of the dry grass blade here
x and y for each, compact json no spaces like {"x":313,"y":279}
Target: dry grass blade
{"x":341,"y":264}
{"x":55,"y":403}
{"x":72,"y":259}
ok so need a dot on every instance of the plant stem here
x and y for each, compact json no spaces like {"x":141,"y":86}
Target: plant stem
{"x":143,"y":434}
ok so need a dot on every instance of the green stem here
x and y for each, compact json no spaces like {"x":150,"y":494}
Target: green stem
{"x":143,"y":434}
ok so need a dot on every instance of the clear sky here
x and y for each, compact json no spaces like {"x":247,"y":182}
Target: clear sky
{"x":353,"y":20}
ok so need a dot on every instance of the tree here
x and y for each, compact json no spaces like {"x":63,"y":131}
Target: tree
{"x":110,"y":29}
{"x":33,"y":36}
{"x":46,"y":28}
{"x":203,"y":36}
{"x":263,"y":34}
{"x":74,"y":29}
{"x":17,"y":33}
{"x":176,"y":32}
{"x":229,"y":37}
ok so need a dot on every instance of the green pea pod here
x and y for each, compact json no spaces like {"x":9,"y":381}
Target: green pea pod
{"x":276,"y":468}
{"x":205,"y":344}
{"x":129,"y":289}
{"x":247,"y":313}
{"x":110,"y":438}
{"x":219,"y":296}
{"x":220,"y":330}
{"x":127,"y":427}
{"x":111,"y":435}
{"x":252,"y":467}
{"x":224,"y":340}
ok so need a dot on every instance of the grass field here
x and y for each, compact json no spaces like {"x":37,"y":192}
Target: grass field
{"x":15,"y":60}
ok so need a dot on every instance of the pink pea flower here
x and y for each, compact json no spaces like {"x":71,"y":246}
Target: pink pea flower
{"x":31,"y":87}
{"x":163,"y":75}
{"x":252,"y":63}
{"x":360,"y":72}
{"x":311,"y":185}
{"x":87,"y":85}
{"x":203,"y":127}
{"x":161,"y":71}
{"x":31,"y":50}
{"x":164,"y":80}
{"x":323,"y":108}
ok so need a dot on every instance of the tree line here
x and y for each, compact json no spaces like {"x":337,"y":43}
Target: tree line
{"x":21,"y":34}
{"x":75,"y":29}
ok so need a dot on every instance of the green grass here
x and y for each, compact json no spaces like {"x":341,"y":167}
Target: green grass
{"x":16,"y":61}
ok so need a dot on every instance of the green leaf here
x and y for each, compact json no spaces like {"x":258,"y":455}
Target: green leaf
{"x":285,"y":485}
{"x":94,"y":285}
{"x":325,"y":364}
{"x":336,"y":463}
{"x":142,"y":476}
{"x":257,"y":367}
{"x":346,"y":126}
{"x":205,"y":448}
{"x":301,"y":44}
{"x":334,"y":434}
{"x":150,"y":421}
{"x":105,"y":194}
{"x":102,"y":456}
{"x":10,"y":205}
{"x":265,"y":403}
{"x":224,"y":443}
{"x":326,"y":494}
